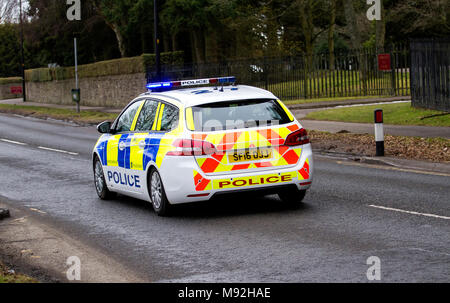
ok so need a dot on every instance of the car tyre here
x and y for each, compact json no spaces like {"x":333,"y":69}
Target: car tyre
{"x":100,"y":183}
{"x":157,"y":194}
{"x":292,"y":197}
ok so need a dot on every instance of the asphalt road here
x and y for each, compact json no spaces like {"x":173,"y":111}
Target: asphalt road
{"x":328,"y":239}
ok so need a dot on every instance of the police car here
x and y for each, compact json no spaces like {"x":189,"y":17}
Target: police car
{"x":181,"y":143}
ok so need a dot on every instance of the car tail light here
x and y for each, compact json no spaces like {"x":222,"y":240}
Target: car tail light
{"x":188,"y":147}
{"x":298,"y":137}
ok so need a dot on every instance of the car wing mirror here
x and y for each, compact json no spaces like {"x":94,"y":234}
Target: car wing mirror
{"x":104,"y":127}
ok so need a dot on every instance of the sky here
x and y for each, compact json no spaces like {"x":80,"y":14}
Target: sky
{"x":9,"y":10}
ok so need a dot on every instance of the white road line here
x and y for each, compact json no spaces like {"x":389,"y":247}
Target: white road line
{"x":37,"y":210}
{"x":410,"y":212}
{"x":58,"y":150}
{"x":14,"y":142}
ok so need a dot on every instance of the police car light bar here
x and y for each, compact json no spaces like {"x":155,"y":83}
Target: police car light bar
{"x":184,"y":83}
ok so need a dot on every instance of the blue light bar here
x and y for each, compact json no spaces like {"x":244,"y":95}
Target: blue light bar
{"x":158,"y":86}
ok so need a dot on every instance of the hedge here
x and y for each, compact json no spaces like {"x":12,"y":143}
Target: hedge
{"x":121,"y":66}
{"x":10,"y":80}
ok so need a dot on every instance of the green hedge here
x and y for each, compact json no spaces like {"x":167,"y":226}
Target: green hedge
{"x":10,"y":80}
{"x":121,"y":66}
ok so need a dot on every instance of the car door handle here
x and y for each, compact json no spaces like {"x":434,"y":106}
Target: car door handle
{"x":122,"y":145}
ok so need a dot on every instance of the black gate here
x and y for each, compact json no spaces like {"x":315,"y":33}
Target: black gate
{"x":430,"y":74}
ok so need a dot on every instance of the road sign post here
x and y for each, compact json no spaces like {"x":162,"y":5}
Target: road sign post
{"x":76,"y":91}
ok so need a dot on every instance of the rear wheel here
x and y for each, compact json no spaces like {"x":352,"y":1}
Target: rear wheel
{"x":99,"y":181}
{"x":292,"y":197}
{"x":157,"y":194}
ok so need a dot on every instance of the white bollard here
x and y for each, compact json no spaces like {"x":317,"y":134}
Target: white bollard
{"x":379,"y":132}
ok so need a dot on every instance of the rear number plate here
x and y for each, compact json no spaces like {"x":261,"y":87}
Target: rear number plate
{"x":254,"y":154}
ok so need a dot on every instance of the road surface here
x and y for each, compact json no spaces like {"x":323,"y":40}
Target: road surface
{"x":351,"y":213}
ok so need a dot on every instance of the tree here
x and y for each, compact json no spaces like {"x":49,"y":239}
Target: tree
{"x":115,"y":14}
{"x":8,"y":10}
{"x":355,"y":34}
{"x":9,"y":51}
{"x":420,"y":18}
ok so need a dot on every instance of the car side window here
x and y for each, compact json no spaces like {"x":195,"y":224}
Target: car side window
{"x":169,"y":119}
{"x":126,"y":119}
{"x":147,"y":116}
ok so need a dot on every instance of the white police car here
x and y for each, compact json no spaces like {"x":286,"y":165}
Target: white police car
{"x":171,"y":146}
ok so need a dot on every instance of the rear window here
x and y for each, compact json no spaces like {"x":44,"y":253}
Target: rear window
{"x":238,"y":114}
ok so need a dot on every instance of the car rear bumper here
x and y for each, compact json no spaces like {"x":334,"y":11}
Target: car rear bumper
{"x":183,"y":183}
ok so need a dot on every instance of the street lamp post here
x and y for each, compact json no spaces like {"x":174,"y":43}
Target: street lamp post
{"x":21,"y":51}
{"x":157,"y":55}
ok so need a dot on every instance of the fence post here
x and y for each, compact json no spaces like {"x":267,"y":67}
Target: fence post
{"x":393,"y":84}
{"x":305,"y":78}
{"x":266,"y":81}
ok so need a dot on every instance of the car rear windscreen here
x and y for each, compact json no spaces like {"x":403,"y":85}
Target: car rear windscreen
{"x":238,"y":114}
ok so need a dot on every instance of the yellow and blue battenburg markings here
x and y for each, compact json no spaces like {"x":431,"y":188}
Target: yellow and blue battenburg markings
{"x":129,"y":157}
{"x":101,"y":149}
{"x":123,"y":156}
{"x":151,"y":150}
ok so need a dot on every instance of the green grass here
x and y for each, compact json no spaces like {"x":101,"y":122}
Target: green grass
{"x":58,"y":113}
{"x":397,"y":114}
{"x":303,"y":101}
{"x":6,"y":277}
{"x":15,"y":279}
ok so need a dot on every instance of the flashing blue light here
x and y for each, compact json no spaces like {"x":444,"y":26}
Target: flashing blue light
{"x":227,"y":80}
{"x":154,"y":85}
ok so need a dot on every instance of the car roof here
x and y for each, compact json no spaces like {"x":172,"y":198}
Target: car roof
{"x":210,"y":94}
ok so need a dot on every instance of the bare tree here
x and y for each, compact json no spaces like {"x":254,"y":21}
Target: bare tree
{"x":422,"y":16}
{"x":356,"y":40}
{"x":9,"y":10}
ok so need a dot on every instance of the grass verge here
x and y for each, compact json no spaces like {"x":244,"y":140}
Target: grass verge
{"x":84,"y":117}
{"x":303,"y":101}
{"x":398,"y":114}
{"x":415,"y":148}
{"x":9,"y":277}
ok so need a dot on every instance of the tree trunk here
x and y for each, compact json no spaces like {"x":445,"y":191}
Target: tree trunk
{"x":119,"y":38}
{"x":353,"y":32}
{"x":355,"y":36}
{"x":174,"y":42}
{"x":380,"y":29}
{"x":198,"y":46}
{"x":331,"y":34}
{"x":166,"y":43}
{"x":307,"y":29}
{"x":114,"y":27}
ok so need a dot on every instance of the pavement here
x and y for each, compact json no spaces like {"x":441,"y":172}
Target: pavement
{"x":353,"y":211}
